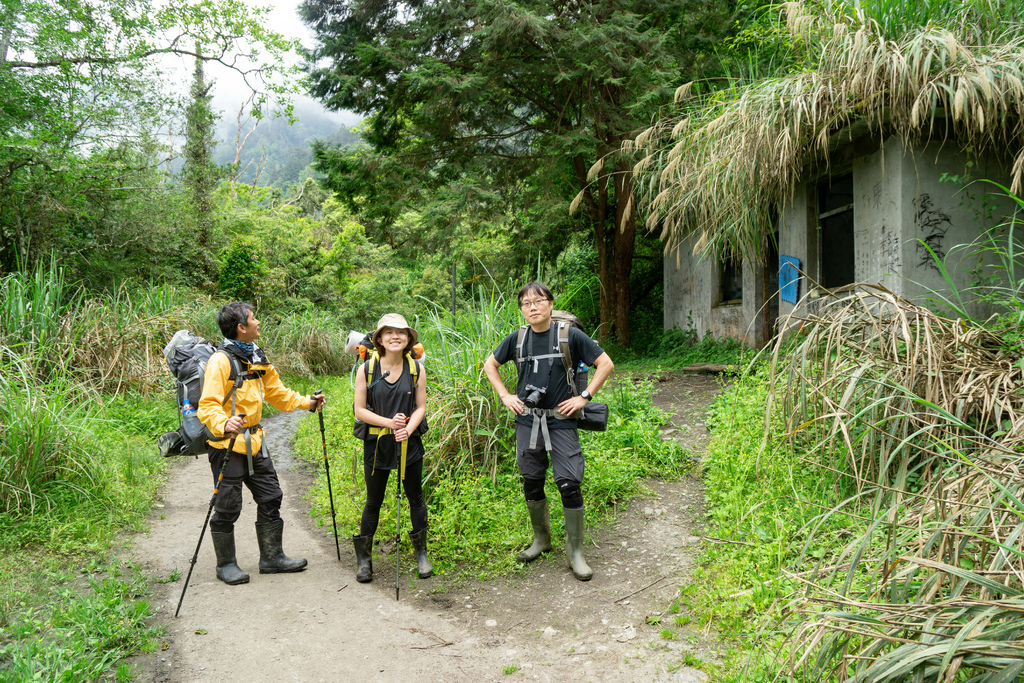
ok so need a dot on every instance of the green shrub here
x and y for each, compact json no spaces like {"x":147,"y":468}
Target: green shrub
{"x":243,"y":270}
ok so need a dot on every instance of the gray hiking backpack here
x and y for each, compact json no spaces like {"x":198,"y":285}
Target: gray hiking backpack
{"x":576,"y":375}
{"x":187,"y":355}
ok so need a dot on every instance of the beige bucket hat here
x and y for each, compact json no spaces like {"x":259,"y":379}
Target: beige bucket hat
{"x":393,"y":320}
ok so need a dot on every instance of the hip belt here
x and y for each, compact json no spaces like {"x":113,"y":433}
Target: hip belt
{"x":379,"y":432}
{"x":540,"y":425}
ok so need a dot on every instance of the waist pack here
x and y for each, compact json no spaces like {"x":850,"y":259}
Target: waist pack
{"x":593,"y":417}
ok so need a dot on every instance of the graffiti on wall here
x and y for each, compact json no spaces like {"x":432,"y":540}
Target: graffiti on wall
{"x":892,"y":251}
{"x":876,"y":195}
{"x":932,"y":224}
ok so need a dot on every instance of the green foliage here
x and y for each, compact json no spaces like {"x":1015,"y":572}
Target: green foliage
{"x":243,"y":269}
{"x":522,"y":138}
{"x":76,"y":634}
{"x":764,"y":517}
{"x":83,"y":96}
{"x":199,"y":174}
{"x":31,"y":305}
{"x":682,"y":348}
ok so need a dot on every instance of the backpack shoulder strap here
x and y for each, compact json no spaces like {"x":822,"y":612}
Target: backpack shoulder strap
{"x":563,"y":348}
{"x":414,"y":368}
{"x":519,"y":343}
{"x":371,"y":365}
{"x":235,"y":376}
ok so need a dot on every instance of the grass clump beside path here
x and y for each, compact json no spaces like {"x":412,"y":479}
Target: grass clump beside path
{"x":68,"y":610}
{"x":765,"y":526}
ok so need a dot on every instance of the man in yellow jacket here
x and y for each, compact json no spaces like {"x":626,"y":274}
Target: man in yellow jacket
{"x":238,"y":379}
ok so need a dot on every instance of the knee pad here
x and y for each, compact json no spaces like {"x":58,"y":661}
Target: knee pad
{"x":533,"y":489}
{"x":572,"y":496}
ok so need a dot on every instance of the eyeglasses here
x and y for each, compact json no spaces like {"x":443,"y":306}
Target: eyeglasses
{"x":531,"y":304}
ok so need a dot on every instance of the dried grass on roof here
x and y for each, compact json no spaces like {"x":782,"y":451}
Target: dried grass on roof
{"x":713,"y":173}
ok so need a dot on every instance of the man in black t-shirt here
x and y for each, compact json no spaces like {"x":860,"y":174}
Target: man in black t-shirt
{"x":544,"y":405}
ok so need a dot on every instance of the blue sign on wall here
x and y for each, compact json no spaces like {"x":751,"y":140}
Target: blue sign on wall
{"x":789,"y":278}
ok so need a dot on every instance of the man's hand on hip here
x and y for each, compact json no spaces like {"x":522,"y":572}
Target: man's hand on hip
{"x":571,"y":405}
{"x":513,"y":403}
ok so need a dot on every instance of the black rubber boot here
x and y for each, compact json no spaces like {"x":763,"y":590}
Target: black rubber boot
{"x":419,"y":544}
{"x":541,"y":521}
{"x":574,"y":543}
{"x":364,"y":558}
{"x":272,"y":557}
{"x":228,"y":570}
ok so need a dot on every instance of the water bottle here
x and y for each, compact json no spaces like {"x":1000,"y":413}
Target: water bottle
{"x":581,"y":377}
{"x":190,"y":420}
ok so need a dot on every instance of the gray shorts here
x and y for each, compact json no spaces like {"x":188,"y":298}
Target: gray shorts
{"x":566,"y":456}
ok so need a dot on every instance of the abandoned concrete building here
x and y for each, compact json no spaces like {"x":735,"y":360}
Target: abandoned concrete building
{"x":878,"y":215}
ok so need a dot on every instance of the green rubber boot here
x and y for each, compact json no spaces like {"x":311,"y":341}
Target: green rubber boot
{"x":272,"y":557}
{"x":228,"y":570}
{"x":419,"y":544}
{"x":541,"y":522}
{"x":574,"y":543}
{"x":364,"y":558}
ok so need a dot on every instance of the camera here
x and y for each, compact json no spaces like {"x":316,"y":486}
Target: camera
{"x":533,"y":395}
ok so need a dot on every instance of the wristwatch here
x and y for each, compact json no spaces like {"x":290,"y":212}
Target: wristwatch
{"x":586,"y":394}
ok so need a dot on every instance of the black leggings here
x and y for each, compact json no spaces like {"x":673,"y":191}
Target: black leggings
{"x":377,"y":489}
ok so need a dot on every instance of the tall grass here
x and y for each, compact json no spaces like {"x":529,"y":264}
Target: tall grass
{"x":470,"y":425}
{"x":920,"y":421}
{"x":32,"y":305}
{"x":305,"y":343}
{"x":45,"y":433}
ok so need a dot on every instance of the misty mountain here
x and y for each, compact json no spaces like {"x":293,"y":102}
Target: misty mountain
{"x":279,"y":152}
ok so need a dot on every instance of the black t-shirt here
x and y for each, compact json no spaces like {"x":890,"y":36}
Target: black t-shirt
{"x":388,"y":399}
{"x":550,"y":372}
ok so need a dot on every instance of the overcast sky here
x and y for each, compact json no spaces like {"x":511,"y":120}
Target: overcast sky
{"x":230,"y":91}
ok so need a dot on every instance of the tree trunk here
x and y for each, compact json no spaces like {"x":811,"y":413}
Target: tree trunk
{"x":598,"y":212}
{"x":615,"y":247}
{"x":623,"y":245}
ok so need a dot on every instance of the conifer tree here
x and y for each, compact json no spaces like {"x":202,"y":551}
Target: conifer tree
{"x":200,"y":174}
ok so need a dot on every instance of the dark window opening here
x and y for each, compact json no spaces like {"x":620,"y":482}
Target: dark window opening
{"x":731,"y":280}
{"x":835,"y":221}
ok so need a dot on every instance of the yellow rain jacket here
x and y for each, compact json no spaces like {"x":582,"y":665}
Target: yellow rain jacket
{"x":214,"y":412}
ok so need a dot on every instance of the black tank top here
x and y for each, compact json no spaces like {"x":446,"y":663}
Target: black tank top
{"x":387,"y":400}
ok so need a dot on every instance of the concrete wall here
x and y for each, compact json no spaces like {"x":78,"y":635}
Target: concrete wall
{"x":877,"y":216}
{"x":948,"y":216}
{"x":899,"y":199}
{"x":693,"y":296}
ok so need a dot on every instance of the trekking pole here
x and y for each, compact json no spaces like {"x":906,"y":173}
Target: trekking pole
{"x":327,"y":469}
{"x":216,"y":488}
{"x":398,"y":510}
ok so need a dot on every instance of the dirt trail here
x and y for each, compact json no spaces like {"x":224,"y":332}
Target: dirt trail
{"x":537,"y":624}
